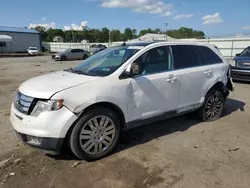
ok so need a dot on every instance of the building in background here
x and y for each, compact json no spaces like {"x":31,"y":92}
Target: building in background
{"x":152,"y":37}
{"x":21,"y":39}
{"x":57,"y":39}
{"x":5,"y":43}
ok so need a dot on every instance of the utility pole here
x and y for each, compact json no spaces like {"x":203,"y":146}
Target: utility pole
{"x":109,"y":38}
{"x":72,"y":34}
{"x":166,"y":24}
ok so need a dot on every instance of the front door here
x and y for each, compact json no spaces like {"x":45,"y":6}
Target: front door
{"x":155,"y":90}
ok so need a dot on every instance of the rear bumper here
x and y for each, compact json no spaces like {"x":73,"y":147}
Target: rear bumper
{"x":53,"y":145}
{"x":240,"y":74}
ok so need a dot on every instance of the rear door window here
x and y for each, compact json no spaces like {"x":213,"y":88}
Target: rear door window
{"x":185,"y":56}
{"x":74,"y":51}
{"x":209,"y":56}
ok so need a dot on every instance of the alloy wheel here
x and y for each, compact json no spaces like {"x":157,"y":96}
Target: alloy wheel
{"x":213,"y":106}
{"x":97,"y":135}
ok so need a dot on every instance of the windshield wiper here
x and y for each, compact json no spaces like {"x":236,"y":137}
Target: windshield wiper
{"x":79,"y":72}
{"x":75,"y":71}
{"x":69,"y":70}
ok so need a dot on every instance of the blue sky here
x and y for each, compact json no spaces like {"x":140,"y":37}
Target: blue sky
{"x":214,"y":17}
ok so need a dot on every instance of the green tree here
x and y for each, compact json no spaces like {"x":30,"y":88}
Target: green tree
{"x":104,"y":35}
{"x":134,"y":31}
{"x":42,"y":31}
{"x":116,"y":35}
{"x":184,"y":32}
{"x":144,"y":31}
{"x":128,"y":34}
{"x":51,"y":33}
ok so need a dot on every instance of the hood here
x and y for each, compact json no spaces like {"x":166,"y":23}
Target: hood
{"x":45,"y":86}
{"x":241,"y":58}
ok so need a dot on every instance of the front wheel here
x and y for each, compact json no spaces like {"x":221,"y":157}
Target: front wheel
{"x":213,"y":106}
{"x":95,"y":134}
{"x":63,"y":58}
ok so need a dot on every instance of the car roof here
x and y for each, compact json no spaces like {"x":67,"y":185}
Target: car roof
{"x":138,"y":43}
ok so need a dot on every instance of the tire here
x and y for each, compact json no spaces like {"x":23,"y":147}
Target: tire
{"x":63,"y":58}
{"x":85,"y":56}
{"x":94,"y":144}
{"x":213,"y":106}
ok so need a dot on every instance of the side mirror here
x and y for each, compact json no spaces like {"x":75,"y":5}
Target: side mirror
{"x":133,"y":69}
{"x":237,"y":55}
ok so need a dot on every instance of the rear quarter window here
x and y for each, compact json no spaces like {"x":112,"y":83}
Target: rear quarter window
{"x":209,"y":56}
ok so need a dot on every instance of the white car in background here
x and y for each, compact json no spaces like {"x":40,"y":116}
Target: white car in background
{"x":86,"y":107}
{"x":33,"y":51}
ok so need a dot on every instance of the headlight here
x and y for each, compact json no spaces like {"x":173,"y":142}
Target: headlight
{"x":49,"y":105}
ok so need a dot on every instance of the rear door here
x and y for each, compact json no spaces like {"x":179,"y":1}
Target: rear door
{"x":196,"y":76}
{"x":212,"y":60}
{"x":73,"y":54}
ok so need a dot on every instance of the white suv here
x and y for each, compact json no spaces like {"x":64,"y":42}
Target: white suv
{"x":86,"y":107}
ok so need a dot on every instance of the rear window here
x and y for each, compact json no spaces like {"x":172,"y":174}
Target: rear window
{"x":33,"y":48}
{"x":209,"y":56}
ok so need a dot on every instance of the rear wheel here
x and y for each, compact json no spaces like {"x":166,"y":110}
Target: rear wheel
{"x":213,"y":106}
{"x":95,"y":134}
{"x":63,"y":58}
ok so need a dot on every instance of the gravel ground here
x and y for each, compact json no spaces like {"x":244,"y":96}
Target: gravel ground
{"x":180,"y":152}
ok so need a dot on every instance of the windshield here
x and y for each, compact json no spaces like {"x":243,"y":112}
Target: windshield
{"x":105,"y":62}
{"x":33,"y":48}
{"x":246,"y":52}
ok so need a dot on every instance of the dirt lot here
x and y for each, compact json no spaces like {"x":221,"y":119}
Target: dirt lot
{"x":180,"y":152}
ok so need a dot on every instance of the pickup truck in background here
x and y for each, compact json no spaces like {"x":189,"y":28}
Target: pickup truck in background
{"x":241,"y":70}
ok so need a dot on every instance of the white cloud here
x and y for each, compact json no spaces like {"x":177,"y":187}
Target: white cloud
{"x":145,"y":6}
{"x":47,"y":26}
{"x":43,"y":18}
{"x":183,"y":16}
{"x":212,"y":19}
{"x":82,"y":26}
{"x":247,"y":27}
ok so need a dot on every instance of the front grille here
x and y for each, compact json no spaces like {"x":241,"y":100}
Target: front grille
{"x":53,"y":56}
{"x":23,"y":103}
{"x":244,"y":64}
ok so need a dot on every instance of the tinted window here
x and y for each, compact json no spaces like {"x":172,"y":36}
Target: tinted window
{"x":185,"y":56}
{"x":74,"y":51}
{"x":246,"y":52}
{"x":209,"y":56}
{"x":155,"y":60}
{"x":2,"y":44}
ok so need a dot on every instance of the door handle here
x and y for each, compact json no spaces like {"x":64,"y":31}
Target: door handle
{"x":171,"y":79}
{"x":209,"y":72}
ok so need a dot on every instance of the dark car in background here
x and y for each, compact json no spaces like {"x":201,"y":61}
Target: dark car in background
{"x":241,"y":70}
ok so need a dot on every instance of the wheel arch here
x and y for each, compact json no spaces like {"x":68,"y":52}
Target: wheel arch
{"x":117,"y":110}
{"x":219,"y":86}
{"x":108,"y":105}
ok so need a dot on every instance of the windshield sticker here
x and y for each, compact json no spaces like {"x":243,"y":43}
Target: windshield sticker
{"x":135,"y":47}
